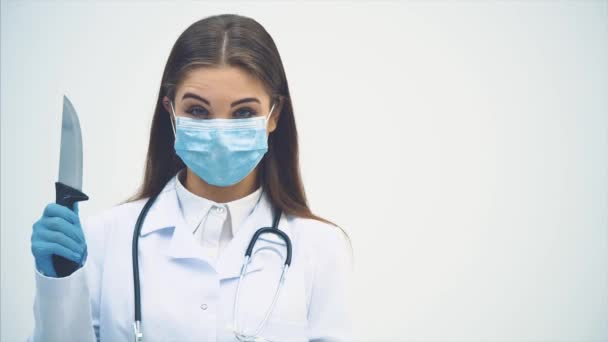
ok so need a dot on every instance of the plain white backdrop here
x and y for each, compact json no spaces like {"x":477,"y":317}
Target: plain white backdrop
{"x":462,"y":144}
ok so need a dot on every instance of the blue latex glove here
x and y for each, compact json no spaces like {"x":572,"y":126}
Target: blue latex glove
{"x":59,"y":232}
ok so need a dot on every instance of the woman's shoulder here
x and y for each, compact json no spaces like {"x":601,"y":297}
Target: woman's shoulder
{"x":317,"y":229}
{"x":115,"y":213}
{"x":103,"y":225}
{"x":322,"y":237}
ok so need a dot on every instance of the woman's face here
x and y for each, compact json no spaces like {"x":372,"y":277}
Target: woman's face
{"x":222,"y":92}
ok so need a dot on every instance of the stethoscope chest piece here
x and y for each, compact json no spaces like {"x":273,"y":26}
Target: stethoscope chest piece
{"x":254,"y":336}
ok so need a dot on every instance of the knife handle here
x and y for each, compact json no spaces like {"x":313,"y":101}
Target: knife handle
{"x":66,"y":196}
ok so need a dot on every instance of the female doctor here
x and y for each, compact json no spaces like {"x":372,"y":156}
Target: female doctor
{"x":222,"y":163}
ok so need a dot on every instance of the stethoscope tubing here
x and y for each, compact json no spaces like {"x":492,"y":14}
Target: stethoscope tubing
{"x":273,"y":230}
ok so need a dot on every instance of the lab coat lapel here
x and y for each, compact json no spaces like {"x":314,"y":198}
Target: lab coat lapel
{"x":231,"y":259}
{"x":184,"y":245}
{"x":166,"y":213}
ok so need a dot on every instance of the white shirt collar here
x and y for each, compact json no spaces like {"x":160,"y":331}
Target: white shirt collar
{"x":195,"y":207}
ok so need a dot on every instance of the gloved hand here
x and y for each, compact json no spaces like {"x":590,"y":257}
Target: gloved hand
{"x":59,"y":232}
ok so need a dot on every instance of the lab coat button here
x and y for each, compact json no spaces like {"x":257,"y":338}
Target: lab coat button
{"x":219,"y":209}
{"x":204,"y":306}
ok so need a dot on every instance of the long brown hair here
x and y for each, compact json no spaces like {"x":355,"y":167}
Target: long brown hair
{"x":239,"y":41}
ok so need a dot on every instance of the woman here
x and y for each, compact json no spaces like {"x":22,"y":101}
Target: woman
{"x":222,"y":162}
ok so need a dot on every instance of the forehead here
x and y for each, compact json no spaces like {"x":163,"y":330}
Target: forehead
{"x":221,"y":83}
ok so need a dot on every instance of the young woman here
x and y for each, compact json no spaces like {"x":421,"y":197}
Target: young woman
{"x":222,"y":163}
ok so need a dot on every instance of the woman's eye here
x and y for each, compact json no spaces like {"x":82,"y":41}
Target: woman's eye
{"x":244,"y":113}
{"x":197,"y":111}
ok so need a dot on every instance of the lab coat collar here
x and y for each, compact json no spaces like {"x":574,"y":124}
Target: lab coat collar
{"x":165,"y":213}
{"x":193,"y":207}
{"x":231,"y":259}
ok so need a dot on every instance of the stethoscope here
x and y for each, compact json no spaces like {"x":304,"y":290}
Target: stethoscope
{"x":241,"y":336}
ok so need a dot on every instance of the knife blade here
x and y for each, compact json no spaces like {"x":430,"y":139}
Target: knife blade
{"x":68,"y":188}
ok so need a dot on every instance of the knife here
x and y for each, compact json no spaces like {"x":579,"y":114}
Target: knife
{"x":69,"y":185}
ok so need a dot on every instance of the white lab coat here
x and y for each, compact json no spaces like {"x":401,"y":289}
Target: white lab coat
{"x":187,"y":297}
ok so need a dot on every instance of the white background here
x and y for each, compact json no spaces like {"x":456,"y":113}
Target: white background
{"x":464,"y":146}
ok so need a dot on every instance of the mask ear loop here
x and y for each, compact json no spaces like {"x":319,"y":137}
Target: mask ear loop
{"x":270,"y":114}
{"x":174,"y":118}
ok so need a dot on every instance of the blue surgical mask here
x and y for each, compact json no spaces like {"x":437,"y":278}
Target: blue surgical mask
{"x":221,"y":151}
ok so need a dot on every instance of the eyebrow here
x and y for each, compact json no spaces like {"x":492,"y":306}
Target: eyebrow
{"x":202,"y":99}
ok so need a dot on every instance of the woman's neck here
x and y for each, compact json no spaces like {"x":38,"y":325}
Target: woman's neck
{"x":220,"y":194}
